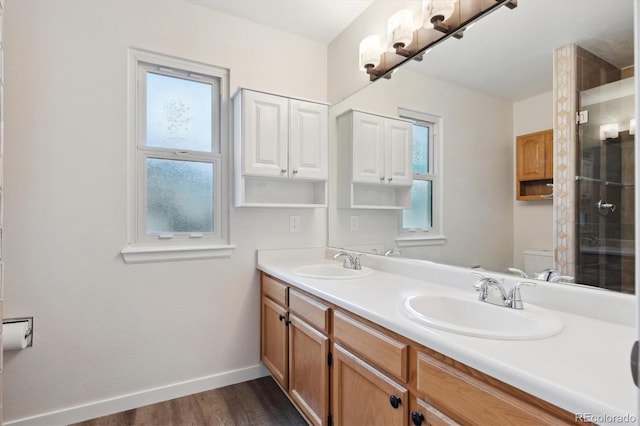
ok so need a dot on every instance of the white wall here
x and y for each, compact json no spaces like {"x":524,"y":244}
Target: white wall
{"x":104,"y":329}
{"x":532,"y":220}
{"x":477,"y":171}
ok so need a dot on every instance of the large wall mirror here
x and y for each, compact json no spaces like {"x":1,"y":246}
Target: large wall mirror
{"x":473,"y":96}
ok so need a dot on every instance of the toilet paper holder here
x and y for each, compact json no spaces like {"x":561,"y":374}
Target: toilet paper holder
{"x":29,"y":332}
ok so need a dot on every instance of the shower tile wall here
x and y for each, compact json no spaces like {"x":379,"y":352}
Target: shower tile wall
{"x":604,"y":243}
{"x":575,"y":70}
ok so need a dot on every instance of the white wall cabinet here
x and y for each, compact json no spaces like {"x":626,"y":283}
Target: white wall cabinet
{"x":281,"y":150}
{"x":375,"y":161}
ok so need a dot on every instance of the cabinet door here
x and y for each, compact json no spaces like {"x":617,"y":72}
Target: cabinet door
{"x":265,"y":134}
{"x":368,"y":148}
{"x":308,"y":370}
{"x":425,"y":414}
{"x":548,"y":154}
{"x":308,"y":140}
{"x":530,"y":157}
{"x":273,"y":342}
{"x":362,"y":395}
{"x":399,"y":152}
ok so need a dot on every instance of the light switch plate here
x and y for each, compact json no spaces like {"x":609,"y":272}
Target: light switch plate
{"x":294,"y":223}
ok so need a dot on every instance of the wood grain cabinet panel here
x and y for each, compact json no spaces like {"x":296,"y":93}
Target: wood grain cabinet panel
{"x":314,"y":312}
{"x":309,"y":370}
{"x":382,"y":350}
{"x":274,"y":290}
{"x":274,"y":341}
{"x":473,"y":401}
{"x":362,"y":395}
{"x":426,"y":414}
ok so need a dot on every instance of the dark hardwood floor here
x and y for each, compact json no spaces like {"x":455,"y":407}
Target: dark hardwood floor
{"x":256,"y":402}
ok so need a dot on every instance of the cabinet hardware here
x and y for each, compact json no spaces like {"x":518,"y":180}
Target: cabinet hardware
{"x":295,"y":171}
{"x":395,"y":401}
{"x":634,"y":362}
{"x":281,"y":317}
{"x":417,"y":418}
{"x":381,"y":178}
{"x":287,"y":322}
{"x":390,"y":179}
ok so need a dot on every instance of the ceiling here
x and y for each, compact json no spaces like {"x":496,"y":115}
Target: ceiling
{"x":506,"y":54}
{"x":318,"y":20}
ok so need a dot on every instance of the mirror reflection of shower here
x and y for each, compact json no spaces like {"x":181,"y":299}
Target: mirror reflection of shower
{"x":605,"y":186}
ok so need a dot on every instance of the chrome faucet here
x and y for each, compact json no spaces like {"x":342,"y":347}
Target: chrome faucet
{"x":517,"y":271}
{"x":350,"y":262}
{"x":561,"y":279}
{"x":492,"y":291}
{"x":392,"y":252}
{"x":546,"y":275}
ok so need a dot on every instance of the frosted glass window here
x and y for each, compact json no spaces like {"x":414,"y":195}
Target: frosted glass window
{"x":179,"y":196}
{"x":421,"y":149}
{"x":179,"y":113}
{"x":420,"y":214}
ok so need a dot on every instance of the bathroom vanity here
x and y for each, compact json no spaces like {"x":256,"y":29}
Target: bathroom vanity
{"x":347,"y":351}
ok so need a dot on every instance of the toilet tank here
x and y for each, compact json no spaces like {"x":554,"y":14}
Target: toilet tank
{"x":537,"y":261}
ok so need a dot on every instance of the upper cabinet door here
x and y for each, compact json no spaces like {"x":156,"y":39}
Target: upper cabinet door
{"x":530,"y":156}
{"x":368,"y":148}
{"x":399,"y":157}
{"x":308,"y":140}
{"x":266,"y":136}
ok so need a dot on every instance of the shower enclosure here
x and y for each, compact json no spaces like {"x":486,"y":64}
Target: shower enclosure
{"x":605,"y":187}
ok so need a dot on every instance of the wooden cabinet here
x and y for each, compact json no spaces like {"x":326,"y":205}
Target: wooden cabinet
{"x":375,"y":161}
{"x":339,"y":368}
{"x":295,"y":347}
{"x":281,"y":150}
{"x":362,"y":395}
{"x":534,"y":166}
{"x":274,"y":340}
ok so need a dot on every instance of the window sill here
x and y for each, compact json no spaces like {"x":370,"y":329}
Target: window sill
{"x":419,"y":240}
{"x":147,"y":254}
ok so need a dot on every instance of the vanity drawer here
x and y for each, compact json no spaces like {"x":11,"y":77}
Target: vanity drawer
{"x":472,"y":399}
{"x":387,"y":353}
{"x":312,"y":311}
{"x":274,"y":289}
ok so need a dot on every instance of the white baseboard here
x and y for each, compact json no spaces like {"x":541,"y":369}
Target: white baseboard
{"x":139,"y":399}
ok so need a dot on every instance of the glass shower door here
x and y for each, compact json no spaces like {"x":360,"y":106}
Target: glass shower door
{"x":605,"y":187}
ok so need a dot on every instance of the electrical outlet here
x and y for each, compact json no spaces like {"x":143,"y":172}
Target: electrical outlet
{"x":354,"y":223}
{"x":294,"y":223}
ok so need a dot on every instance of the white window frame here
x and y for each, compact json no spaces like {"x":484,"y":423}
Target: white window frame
{"x":435,"y":234}
{"x":143,"y":247}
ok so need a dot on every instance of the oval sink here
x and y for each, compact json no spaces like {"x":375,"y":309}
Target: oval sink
{"x":328,"y":271}
{"x":480,"y":319}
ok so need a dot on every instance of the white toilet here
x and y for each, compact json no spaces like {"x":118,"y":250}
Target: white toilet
{"x":536,"y":261}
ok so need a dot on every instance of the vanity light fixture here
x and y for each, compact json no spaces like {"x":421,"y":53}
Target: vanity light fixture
{"x":435,"y":12}
{"x":410,"y":43}
{"x":400,"y":32}
{"x":608,"y":131}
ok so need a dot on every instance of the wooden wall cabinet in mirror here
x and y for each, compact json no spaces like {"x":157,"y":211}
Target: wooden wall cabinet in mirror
{"x":534,"y":166}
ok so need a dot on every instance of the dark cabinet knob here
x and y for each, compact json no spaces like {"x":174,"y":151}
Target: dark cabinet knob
{"x":417,"y":418}
{"x":281,"y":317}
{"x":287,"y":322}
{"x":395,"y":401}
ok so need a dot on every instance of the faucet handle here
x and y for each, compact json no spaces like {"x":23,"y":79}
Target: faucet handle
{"x":515,"y":299}
{"x":518,"y":272}
{"x":356,"y":262}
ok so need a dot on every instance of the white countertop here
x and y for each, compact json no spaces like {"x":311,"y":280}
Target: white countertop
{"x":584,"y":369}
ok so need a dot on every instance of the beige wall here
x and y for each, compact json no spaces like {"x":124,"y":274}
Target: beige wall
{"x":110,"y":336}
{"x":477,"y":169}
{"x":532,"y":220}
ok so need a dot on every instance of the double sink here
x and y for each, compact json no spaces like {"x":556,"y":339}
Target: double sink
{"x":459,"y":313}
